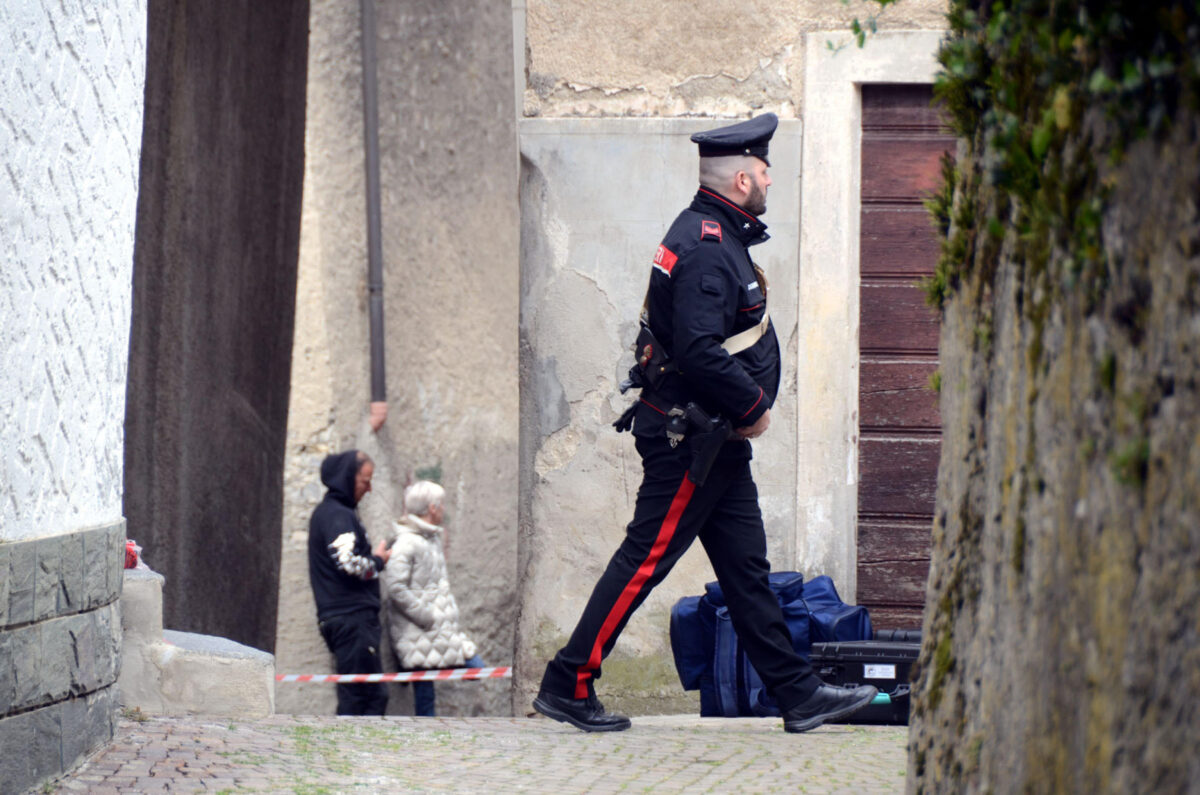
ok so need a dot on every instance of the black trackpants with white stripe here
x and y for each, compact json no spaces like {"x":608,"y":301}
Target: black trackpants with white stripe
{"x":670,"y":513}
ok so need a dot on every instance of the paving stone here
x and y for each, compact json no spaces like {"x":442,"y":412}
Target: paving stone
{"x":663,"y":754}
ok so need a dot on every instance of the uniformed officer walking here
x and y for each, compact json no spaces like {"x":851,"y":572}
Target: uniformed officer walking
{"x":708,"y":365}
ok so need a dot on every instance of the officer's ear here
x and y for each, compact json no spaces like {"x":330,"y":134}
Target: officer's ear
{"x":743,"y":182}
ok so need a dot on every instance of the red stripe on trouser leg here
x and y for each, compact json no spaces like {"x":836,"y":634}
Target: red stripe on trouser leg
{"x":665,"y":533}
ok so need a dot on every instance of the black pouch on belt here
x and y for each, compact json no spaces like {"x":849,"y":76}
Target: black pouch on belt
{"x":650,"y":368}
{"x":652,"y":362}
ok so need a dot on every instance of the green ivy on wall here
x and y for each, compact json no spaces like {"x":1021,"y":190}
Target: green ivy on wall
{"x":1035,"y":89}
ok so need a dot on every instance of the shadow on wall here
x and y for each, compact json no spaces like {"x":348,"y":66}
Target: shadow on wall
{"x":215,"y":255}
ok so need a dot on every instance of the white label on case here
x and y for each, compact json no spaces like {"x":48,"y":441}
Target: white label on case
{"x":879,"y":672}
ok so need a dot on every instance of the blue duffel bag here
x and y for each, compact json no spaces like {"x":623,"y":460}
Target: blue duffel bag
{"x":708,"y":655}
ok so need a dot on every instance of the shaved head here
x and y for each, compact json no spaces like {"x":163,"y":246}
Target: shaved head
{"x":718,"y":173}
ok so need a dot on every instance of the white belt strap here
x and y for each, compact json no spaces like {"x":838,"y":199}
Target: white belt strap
{"x":746,"y":339}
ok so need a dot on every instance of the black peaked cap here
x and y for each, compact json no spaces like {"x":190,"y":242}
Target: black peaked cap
{"x":751,"y":137}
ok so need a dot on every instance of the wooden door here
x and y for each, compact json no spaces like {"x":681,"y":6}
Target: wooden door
{"x":899,"y":426}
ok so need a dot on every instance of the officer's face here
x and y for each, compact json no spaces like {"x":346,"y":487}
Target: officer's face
{"x":760,"y":180}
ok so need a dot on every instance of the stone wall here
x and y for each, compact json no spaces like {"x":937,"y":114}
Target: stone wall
{"x":1061,"y":648}
{"x":683,"y":58}
{"x":60,"y":645}
{"x":71,"y":80}
{"x":1062,"y":615}
{"x":449,"y":165}
{"x":214,"y":290}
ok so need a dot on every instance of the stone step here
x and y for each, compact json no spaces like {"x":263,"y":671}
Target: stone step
{"x":166,"y":672}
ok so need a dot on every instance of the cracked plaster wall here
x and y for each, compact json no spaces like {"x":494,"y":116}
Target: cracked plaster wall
{"x":587,"y":241}
{"x":677,"y":58}
{"x":449,"y":217}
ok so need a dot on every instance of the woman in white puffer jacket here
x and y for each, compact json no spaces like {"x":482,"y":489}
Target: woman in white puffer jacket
{"x":420,"y":611}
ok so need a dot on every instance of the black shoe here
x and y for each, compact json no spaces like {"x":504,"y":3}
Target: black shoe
{"x":827,"y":703}
{"x":582,"y":713}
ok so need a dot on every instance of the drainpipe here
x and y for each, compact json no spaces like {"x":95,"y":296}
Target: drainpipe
{"x":374,"y":242}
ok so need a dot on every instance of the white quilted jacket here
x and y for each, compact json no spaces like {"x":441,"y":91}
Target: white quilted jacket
{"x":421,"y":614}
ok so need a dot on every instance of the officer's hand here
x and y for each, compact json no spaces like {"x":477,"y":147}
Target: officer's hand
{"x":757,"y":429}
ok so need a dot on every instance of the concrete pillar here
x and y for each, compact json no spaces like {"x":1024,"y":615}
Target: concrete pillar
{"x":71,"y":82}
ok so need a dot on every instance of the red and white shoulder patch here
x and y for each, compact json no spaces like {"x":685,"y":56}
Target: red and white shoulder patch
{"x":710,"y":230}
{"x":665,"y":259}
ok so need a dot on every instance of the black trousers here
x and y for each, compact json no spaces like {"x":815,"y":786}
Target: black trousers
{"x":354,"y":640}
{"x":671,"y":511}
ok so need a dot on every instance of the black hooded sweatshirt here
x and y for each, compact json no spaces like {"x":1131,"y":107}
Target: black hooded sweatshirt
{"x":343,"y":571}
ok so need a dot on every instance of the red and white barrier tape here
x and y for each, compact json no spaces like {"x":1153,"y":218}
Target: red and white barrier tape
{"x":436,"y":675}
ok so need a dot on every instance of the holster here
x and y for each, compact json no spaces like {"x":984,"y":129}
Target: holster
{"x":707,"y":434}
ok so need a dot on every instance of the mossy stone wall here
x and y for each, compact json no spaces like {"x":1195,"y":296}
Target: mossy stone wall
{"x":1063,"y":612}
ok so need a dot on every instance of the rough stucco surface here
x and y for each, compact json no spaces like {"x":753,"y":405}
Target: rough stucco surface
{"x":71,"y":95}
{"x":214,"y":283}
{"x":71,"y":83}
{"x":1061,"y":649}
{"x":682,"y":58}
{"x":449,"y":166}
{"x":587,"y":244}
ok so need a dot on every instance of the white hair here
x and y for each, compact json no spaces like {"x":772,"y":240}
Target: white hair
{"x":717,"y":173}
{"x":421,"y":496}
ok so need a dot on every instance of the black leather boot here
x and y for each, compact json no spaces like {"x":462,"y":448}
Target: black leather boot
{"x":827,"y":703}
{"x":582,"y":713}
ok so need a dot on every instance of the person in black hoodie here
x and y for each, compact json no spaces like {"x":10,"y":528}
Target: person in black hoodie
{"x":344,"y":572}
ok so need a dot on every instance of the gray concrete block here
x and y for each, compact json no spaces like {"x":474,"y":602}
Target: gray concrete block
{"x":87,"y":723}
{"x":207,"y":675}
{"x":5,"y":585}
{"x":57,"y":658}
{"x":70,"y":592}
{"x":43,"y":741}
{"x":85,"y":646}
{"x":141,"y":605}
{"x":26,"y":656}
{"x":16,"y":769}
{"x":8,"y":676}
{"x":47,"y":577}
{"x":96,"y":545}
{"x":107,"y":634}
{"x":21,"y":564}
{"x":115,"y":570}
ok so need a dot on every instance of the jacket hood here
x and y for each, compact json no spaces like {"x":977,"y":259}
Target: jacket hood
{"x":415,"y":524}
{"x":337,"y":473}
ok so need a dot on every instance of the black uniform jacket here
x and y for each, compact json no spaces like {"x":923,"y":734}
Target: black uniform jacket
{"x":704,"y":288}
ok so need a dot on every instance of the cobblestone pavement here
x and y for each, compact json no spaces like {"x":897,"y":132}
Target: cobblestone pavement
{"x":664,"y":754}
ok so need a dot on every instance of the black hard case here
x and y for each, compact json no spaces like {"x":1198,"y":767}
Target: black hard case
{"x":886,"y":664}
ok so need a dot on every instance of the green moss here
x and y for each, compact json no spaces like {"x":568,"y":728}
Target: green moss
{"x":1018,"y":546}
{"x":1129,"y":463}
{"x":432,"y":472}
{"x":1017,"y":78}
{"x":1108,"y":372}
{"x":935,"y":381}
